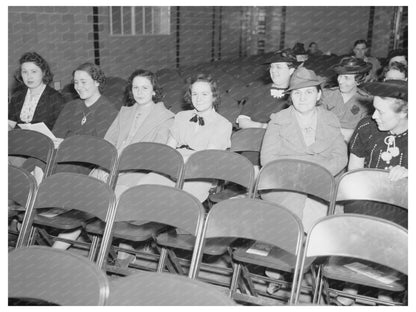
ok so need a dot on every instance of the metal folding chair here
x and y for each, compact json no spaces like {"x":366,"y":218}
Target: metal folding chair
{"x":362,"y":250}
{"x":87,"y":197}
{"x":41,"y":275}
{"x":32,"y":144}
{"x":218,"y":165}
{"x":22,"y":191}
{"x":156,"y":205}
{"x":163,"y":289}
{"x":261,"y":221}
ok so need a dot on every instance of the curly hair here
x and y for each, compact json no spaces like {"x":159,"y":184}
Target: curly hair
{"x":39,"y":61}
{"x":95,"y":72}
{"x":203,"y":78}
{"x":128,"y":94}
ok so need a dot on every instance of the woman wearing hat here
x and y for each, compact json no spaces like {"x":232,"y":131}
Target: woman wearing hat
{"x":381,"y":142}
{"x":304,"y":131}
{"x":347,"y":101}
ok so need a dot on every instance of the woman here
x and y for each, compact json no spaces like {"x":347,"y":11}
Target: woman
{"x":197,"y":129}
{"x":381,"y":142}
{"x":308,"y":132}
{"x":36,"y":101}
{"x":144,"y":118}
{"x":91,"y":114}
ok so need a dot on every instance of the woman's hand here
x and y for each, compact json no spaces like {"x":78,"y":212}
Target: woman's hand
{"x":398,"y":172}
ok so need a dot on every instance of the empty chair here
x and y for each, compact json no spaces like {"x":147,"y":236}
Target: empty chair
{"x":362,"y":250}
{"x":163,"y":289}
{"x":55,"y":277}
{"x":155,"y":204}
{"x":261,"y":221}
{"x":247,"y":140}
{"x":21,"y":191}
{"x":32,"y":144}
{"x":86,"y":196}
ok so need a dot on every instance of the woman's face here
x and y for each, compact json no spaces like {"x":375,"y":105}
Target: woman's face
{"x":280,"y":74}
{"x":32,"y":75}
{"x":202,"y":97}
{"x":304,"y":99}
{"x":385,"y":116}
{"x":394,"y":74}
{"x":85,"y":86}
{"x":346,"y":83}
{"x":142,"y":90}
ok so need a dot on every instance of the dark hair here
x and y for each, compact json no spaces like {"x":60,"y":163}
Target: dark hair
{"x":202,"y":78}
{"x":95,"y":72}
{"x":400,"y":106}
{"x":313,"y":42}
{"x":360,"y":41}
{"x":128,"y":94}
{"x":39,"y":61}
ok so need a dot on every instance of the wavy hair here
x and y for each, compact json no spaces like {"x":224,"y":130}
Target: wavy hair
{"x":128,"y":94}
{"x":95,"y":72}
{"x":203,"y":78}
{"x":39,"y":61}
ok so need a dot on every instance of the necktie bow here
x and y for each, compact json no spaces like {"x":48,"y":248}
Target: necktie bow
{"x":198,"y":119}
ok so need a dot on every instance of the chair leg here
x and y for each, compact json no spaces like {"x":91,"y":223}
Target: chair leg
{"x":234,"y":279}
{"x":162,"y":260}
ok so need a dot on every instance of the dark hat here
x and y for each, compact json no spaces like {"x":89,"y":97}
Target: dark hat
{"x":352,"y":65}
{"x":302,"y":78}
{"x":282,"y":56}
{"x":390,"y":88}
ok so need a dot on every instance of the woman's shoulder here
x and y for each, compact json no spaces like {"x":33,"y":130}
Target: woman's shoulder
{"x":282,"y":116}
{"x":161,"y":108}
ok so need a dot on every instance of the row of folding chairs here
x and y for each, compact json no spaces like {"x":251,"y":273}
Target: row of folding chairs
{"x":319,"y":189}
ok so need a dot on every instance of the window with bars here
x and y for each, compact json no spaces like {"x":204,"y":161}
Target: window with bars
{"x":132,"y":21}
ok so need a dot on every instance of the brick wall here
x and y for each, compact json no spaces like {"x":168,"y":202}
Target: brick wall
{"x":64,"y":36}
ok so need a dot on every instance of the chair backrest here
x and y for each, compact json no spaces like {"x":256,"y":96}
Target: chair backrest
{"x":22,"y":190}
{"x":33,"y":144}
{"x":151,"y":156}
{"x":90,"y":150}
{"x":164,"y":289}
{"x":73,"y":191}
{"x":297,"y":176}
{"x":247,"y":140}
{"x":220,"y":165}
{"x":373,"y":185}
{"x":257,"y":220}
{"x":359,"y":236}
{"x":161,"y":204}
{"x":56,"y":276}
{"x":22,"y":186}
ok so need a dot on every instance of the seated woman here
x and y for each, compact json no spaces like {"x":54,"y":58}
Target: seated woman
{"x":91,"y":114}
{"x":197,"y":129}
{"x":35,"y":101}
{"x":308,"y":132}
{"x":381,"y":141}
{"x":144,"y":118}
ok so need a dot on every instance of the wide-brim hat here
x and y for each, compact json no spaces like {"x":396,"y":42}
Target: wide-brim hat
{"x":283,"y":56}
{"x":351,"y":66}
{"x":390,"y":88}
{"x":303,"y":78}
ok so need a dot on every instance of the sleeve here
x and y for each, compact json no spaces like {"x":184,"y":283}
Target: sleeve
{"x":162,"y":135}
{"x":248,"y":109}
{"x":114,"y":130}
{"x":13,"y":108}
{"x":222,"y":139}
{"x":57,"y":104}
{"x":272,"y":142}
{"x":61,"y":126}
{"x":108,"y":113}
{"x":360,"y":138}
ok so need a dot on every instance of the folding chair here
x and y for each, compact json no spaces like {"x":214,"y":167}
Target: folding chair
{"x":86,"y":196}
{"x":155,"y":204}
{"x":369,"y":185}
{"x":219,"y":165}
{"x":360,"y":249}
{"x":78,"y":150}
{"x":41,"y":275}
{"x":172,"y":290}
{"x":247,"y":140}
{"x":258,"y":220}
{"x":32,"y":144}
{"x":22,"y":191}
